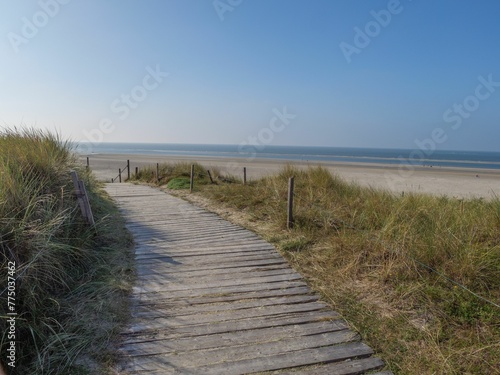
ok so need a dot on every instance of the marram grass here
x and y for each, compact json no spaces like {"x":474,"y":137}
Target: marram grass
{"x":69,"y":275}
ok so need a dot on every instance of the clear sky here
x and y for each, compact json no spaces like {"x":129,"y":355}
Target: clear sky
{"x":348,"y":73}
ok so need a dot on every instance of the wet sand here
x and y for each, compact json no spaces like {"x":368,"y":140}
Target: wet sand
{"x":452,"y":182}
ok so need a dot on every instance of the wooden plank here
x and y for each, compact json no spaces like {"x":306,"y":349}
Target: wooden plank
{"x":171,"y":319}
{"x":199,"y":277}
{"x":177,"y":286}
{"x":187,"y":233}
{"x":152,"y":238}
{"x":269,"y":363}
{"x":215,"y":249}
{"x":236,"y":338}
{"x":291,"y":359}
{"x":212,"y":258}
{"x":222,"y":248}
{"x":215,"y":260}
{"x":269,"y":347}
{"x":146,"y":270}
{"x":228,"y":326}
{"x":160,"y":310}
{"x":179,"y":223}
{"x":145,"y":234}
{"x":176,"y":270}
{"x":174,"y":266}
{"x":228,"y":297}
{"x":348,"y":367}
{"x":206,"y":292}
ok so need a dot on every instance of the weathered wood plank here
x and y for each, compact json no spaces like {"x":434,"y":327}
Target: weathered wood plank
{"x":199,"y":277}
{"x":216,"y":249}
{"x":146,"y":270}
{"x":175,"y":266}
{"x":170,"y":285}
{"x":237,"y":338}
{"x":162,"y":310}
{"x":237,"y":250}
{"x":269,"y":363}
{"x":187,"y":235}
{"x":173,"y":320}
{"x":197,"y":300}
{"x":208,"y":292}
{"x":290,"y":359}
{"x":164,"y":239}
{"x":232,"y":326}
{"x":269,"y":347}
{"x":349,"y":367}
{"x":214,"y":258}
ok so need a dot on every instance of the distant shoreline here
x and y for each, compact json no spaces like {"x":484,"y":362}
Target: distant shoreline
{"x":448,"y":181}
{"x":395,"y":157}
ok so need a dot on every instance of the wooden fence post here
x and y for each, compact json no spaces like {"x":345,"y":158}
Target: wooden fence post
{"x":74,"y":177}
{"x":210,"y":175}
{"x":86,"y":203}
{"x":136,"y":171}
{"x":290,"y":220}
{"x":128,"y":170}
{"x":191,"y":183}
{"x":120,"y":175}
{"x":83,"y":198}
{"x":244,"y":175}
{"x":158,"y":173}
{"x":88,"y":163}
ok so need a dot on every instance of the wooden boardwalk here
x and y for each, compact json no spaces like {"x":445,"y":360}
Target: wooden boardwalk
{"x":214,"y":298}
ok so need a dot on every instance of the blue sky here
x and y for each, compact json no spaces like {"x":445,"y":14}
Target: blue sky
{"x":69,"y":65}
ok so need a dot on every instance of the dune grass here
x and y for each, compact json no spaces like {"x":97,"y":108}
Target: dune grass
{"x":385,"y":263}
{"x":72,"y":279}
{"x":177,"y":175}
{"x":173,"y":171}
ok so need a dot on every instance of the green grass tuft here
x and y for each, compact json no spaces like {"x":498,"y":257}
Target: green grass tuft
{"x":178,"y":183}
{"x":170,"y":171}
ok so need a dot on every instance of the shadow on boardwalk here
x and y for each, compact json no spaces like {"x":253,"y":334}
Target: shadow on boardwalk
{"x":214,"y":298}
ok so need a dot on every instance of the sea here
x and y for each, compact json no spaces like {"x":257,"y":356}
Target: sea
{"x":442,"y":158}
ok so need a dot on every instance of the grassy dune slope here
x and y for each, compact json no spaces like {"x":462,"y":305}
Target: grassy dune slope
{"x":72,"y":279}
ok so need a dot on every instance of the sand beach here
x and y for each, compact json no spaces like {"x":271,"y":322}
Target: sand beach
{"x":451,"y":182}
